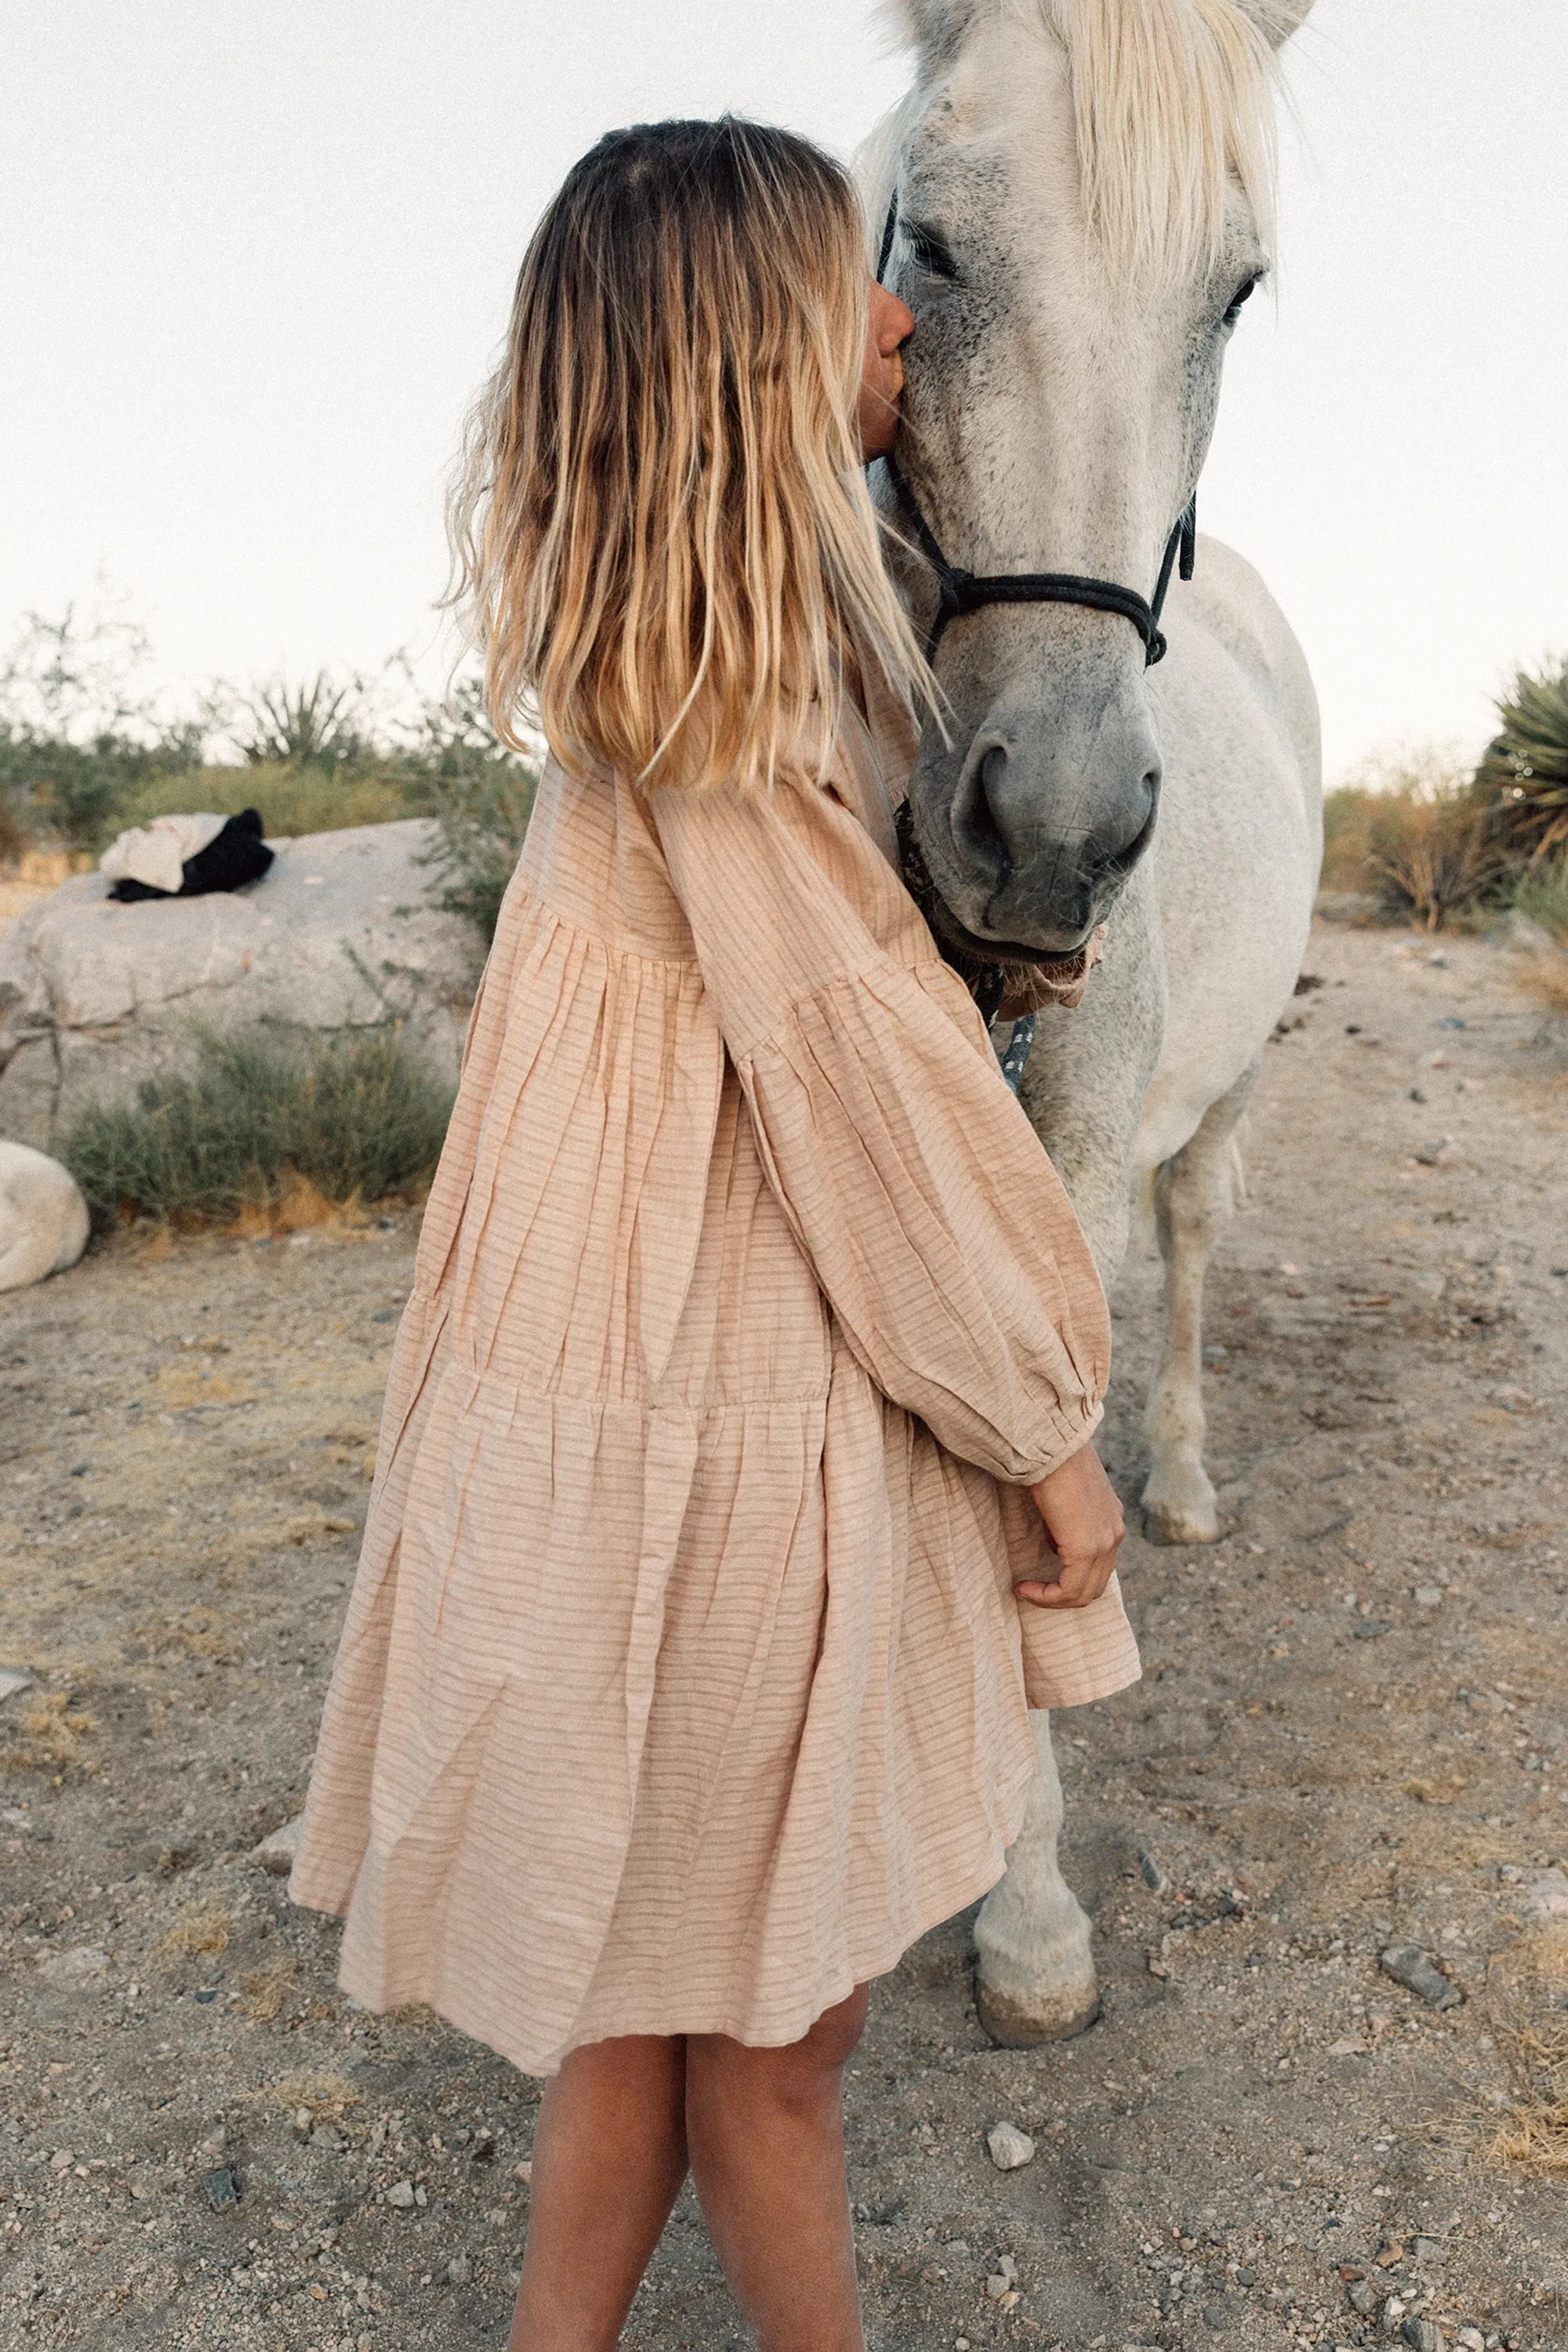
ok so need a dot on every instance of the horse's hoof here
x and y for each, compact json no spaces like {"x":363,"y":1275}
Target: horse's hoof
{"x":1181,"y":1511}
{"x":1020,"y":2020}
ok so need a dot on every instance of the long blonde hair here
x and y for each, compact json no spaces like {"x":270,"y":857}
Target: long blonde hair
{"x":661,"y":534}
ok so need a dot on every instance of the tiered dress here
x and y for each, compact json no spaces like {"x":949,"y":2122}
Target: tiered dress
{"x":683,"y":1685}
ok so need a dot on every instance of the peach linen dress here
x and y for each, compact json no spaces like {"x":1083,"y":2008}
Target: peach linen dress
{"x":683,"y":1685}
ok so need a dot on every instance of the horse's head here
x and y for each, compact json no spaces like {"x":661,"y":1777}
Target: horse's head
{"x":1083,"y":206}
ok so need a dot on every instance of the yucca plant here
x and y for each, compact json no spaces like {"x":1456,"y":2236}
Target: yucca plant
{"x":1525,"y":771}
{"x":317,"y":724}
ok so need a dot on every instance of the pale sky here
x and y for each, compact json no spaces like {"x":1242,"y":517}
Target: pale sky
{"x":254,"y":259}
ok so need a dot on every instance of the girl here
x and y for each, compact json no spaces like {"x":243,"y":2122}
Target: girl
{"x":753,"y":1352}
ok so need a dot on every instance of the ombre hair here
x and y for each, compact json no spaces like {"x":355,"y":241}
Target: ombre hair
{"x":662,"y":537}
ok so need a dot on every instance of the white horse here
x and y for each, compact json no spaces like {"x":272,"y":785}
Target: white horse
{"x":1080,"y":193}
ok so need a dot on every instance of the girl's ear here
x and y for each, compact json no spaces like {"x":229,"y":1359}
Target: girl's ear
{"x":1278,"y":19}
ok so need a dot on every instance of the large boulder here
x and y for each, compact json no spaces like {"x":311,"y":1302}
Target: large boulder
{"x":339,"y":934}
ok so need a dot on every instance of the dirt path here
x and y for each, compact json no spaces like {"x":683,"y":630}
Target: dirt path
{"x":1350,"y":1735}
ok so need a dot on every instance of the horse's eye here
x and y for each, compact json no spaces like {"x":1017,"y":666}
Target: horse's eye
{"x":1243,"y":293}
{"x":930,"y":251}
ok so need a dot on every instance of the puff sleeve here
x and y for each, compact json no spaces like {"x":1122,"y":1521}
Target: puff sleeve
{"x":933,"y":1221}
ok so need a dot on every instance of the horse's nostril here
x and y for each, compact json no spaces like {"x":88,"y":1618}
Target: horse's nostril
{"x":978,"y":836}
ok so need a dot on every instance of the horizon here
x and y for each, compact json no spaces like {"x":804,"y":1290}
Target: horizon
{"x":266,"y":262}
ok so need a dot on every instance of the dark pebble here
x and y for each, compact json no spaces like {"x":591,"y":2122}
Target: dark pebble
{"x":222,"y":2189}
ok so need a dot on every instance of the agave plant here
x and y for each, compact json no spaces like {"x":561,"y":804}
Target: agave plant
{"x":1526,"y":769}
{"x":316,"y":725}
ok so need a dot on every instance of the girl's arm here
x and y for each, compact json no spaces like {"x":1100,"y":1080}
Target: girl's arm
{"x":932,"y":1219}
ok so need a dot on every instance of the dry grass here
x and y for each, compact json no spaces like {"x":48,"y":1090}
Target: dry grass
{"x":1526,"y":1988}
{"x":52,"y":1734}
{"x":263,"y":1991}
{"x":204,"y":1928}
{"x":323,"y":2098}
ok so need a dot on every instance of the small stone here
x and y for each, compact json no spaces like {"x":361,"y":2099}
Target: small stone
{"x":460,"y":2270}
{"x":325,"y":2136}
{"x":277,"y":1851}
{"x":401,"y":2194}
{"x":1246,"y":2278}
{"x":1426,"y":2250}
{"x":1409,"y":1965}
{"x":75,"y":1967}
{"x":62,"y":2159}
{"x":1428,"y":1596}
{"x":1470,"y":2339}
{"x":1365,"y":2295}
{"x":1547,"y":1896}
{"x":12,"y":1681}
{"x":1010,"y":2148}
{"x":1154,"y":1876}
{"x":1431,"y":1155}
{"x":222,"y":2189}
{"x":1423,"y":2334}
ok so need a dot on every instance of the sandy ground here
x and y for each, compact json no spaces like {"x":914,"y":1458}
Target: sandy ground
{"x":1350,"y":1735}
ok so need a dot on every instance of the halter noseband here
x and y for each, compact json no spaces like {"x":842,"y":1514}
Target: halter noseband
{"x":960,"y":592}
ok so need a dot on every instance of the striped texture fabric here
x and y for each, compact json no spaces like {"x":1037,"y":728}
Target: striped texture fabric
{"x":683,"y":1685}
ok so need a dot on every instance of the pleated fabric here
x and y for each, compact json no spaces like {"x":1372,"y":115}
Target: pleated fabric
{"x":682,"y":1685}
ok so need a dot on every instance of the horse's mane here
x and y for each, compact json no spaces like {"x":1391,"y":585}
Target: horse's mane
{"x":1171,"y":99}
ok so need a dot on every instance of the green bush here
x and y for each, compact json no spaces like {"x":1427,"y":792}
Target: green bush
{"x":291,"y":800}
{"x":481,"y":795}
{"x":1524,"y":773}
{"x":356,"y":1115}
{"x":1542,"y":896}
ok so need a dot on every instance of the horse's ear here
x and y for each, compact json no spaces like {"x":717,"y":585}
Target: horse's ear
{"x":1278,"y":19}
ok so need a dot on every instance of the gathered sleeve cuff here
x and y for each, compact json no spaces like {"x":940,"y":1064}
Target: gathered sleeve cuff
{"x":932,"y":1219}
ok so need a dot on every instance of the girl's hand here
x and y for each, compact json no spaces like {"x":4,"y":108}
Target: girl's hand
{"x":1084,"y":1522}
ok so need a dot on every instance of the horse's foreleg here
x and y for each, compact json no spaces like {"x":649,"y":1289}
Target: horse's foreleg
{"x":1191,"y":1198}
{"x":1037,"y":1977}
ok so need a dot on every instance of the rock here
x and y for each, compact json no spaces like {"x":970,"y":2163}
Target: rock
{"x":400,"y":2195}
{"x":1423,"y":2334}
{"x":325,"y":2136}
{"x":1355,"y":906}
{"x":1428,"y":1596}
{"x":1154,"y":1876}
{"x":1409,"y":1965}
{"x":1365,"y":2295}
{"x":222,"y":2189}
{"x":1431,"y":1155}
{"x":62,"y":2159}
{"x":1547,"y":1896}
{"x":1470,"y":2339}
{"x":43,"y":1222}
{"x":277,"y":1851}
{"x":75,"y":1967}
{"x":340,"y":933}
{"x":13,"y":1681}
{"x":460,"y":2270}
{"x":1426,"y":2250}
{"x":1009,"y":2146}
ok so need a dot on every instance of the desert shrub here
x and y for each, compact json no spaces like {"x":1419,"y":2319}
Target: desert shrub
{"x":356,"y":1115}
{"x":322,"y":723}
{"x":481,"y":795}
{"x":1414,"y":832}
{"x":291,"y":800}
{"x":1525,"y":772}
{"x":1542,"y":897}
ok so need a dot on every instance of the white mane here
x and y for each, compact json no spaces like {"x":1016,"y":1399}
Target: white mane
{"x":1172,"y":100}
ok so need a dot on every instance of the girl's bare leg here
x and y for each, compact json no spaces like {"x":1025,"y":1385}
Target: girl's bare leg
{"x":766,"y":2129}
{"x":609,"y":2157}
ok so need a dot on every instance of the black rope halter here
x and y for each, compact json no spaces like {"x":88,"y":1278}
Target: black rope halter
{"x":960,"y":592}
